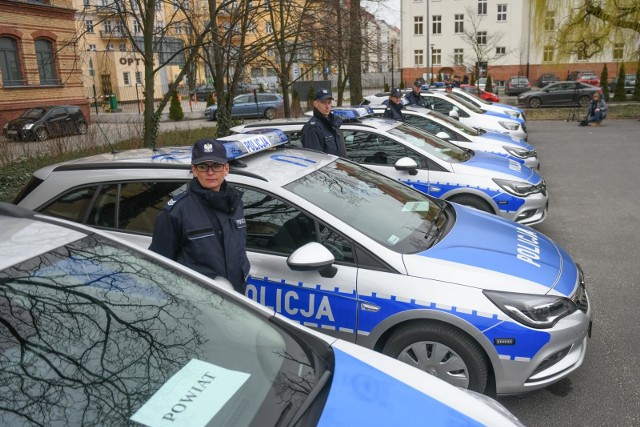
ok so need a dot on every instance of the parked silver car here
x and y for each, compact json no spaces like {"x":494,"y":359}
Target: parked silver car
{"x":246,"y":105}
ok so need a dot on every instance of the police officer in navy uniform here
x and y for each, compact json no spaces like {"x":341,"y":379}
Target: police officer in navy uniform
{"x":204,"y":228}
{"x":394,"y":107}
{"x":413,"y":97}
{"x":322,"y":132}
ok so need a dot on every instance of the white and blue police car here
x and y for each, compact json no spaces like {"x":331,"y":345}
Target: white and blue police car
{"x":439,"y":168}
{"x":475,"y":117}
{"x":474,"y":299}
{"x":98,"y":332}
{"x":483,"y":104}
{"x":445,"y":127}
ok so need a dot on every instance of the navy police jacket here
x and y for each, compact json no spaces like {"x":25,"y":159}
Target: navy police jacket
{"x":393,"y":112}
{"x":206,"y":231}
{"x":415,"y":99}
{"x":321,"y":133}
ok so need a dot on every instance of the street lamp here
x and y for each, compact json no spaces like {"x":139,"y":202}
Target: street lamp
{"x":431,"y":79}
{"x":426,"y":63}
{"x":392,"y":46}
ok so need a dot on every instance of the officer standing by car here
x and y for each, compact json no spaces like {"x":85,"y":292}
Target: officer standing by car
{"x":204,"y":228}
{"x":322,"y":132}
{"x":413,"y":97}
{"x":393,"y":110}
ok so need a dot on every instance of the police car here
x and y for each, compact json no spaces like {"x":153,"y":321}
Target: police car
{"x":474,"y":299}
{"x":445,"y":127}
{"x":473,"y":116}
{"x":98,"y":332}
{"x":484,"y":181}
{"x":507,"y":109}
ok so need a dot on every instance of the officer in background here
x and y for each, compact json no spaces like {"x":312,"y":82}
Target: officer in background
{"x":456,"y":81}
{"x":204,"y":228}
{"x":413,"y":97}
{"x":322,"y":132}
{"x":394,"y":107}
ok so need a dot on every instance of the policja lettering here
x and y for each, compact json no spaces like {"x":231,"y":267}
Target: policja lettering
{"x":193,"y":393}
{"x":528,"y":247}
{"x":290,"y":302}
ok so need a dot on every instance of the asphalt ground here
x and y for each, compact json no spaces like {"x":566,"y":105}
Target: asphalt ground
{"x":593,"y":177}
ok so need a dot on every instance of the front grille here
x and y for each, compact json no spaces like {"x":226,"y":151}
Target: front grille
{"x":580,"y":297}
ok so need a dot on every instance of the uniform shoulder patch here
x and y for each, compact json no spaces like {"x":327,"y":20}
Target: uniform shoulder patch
{"x":175,"y":199}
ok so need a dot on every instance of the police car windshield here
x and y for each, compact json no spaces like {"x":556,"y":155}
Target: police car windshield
{"x":466,"y":103}
{"x":118,"y":336}
{"x":393,"y":214}
{"x":425,"y":141}
{"x":468,"y":130}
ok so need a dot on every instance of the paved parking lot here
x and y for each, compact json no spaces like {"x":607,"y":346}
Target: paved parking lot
{"x":594,"y":187}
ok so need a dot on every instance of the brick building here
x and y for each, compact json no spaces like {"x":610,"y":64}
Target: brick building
{"x":38,"y":61}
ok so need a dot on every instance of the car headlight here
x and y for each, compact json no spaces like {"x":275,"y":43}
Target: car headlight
{"x":517,"y":188}
{"x":519,"y":152}
{"x":28,"y":126}
{"x":512,"y":113}
{"x":535,"y":311}
{"x":509,"y":125}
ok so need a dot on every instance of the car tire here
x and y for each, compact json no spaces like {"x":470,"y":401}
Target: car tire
{"x":535,"y":102}
{"x":583,"y":101}
{"x":82,"y":128}
{"x":473,"y":202}
{"x":41,"y":134}
{"x":441,"y":350}
{"x":270,"y":113}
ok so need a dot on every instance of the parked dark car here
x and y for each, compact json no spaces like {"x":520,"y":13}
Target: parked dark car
{"x":546,"y":79}
{"x":517,"y":85}
{"x":245,"y":106}
{"x":201,"y":93}
{"x":40,"y":123}
{"x":629,"y":83}
{"x":567,"y":93}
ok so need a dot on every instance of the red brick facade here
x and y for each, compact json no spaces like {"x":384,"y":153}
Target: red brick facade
{"x":25,"y":22}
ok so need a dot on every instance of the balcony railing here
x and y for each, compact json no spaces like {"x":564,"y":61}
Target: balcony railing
{"x":113,"y":34}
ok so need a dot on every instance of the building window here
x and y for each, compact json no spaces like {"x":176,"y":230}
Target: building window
{"x":138,"y":77}
{"x":107,"y":27}
{"x":418,"y":25}
{"x":418,"y":57}
{"x":582,"y":55}
{"x":618,"y":51}
{"x":137,"y":28}
{"x":548,"y":54}
{"x":482,"y":7}
{"x":92,"y":47}
{"x":126,"y":78}
{"x":109,"y":47}
{"x":549,"y":20}
{"x":502,"y":12}
{"x":86,"y":3}
{"x":501,"y":50}
{"x":122,"y":47}
{"x":481,"y":38}
{"x":178,"y":28}
{"x":267,"y":28}
{"x":436,"y":56}
{"x":437,"y":24}
{"x":10,"y":62}
{"x":458,"y":56}
{"x":459,"y":23}
{"x":88,"y":25}
{"x":46,"y":62}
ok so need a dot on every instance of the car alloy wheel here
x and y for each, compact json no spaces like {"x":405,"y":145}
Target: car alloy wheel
{"x":583,"y":101}
{"x":535,"y":103}
{"x":82,"y":128}
{"x":440,"y":350}
{"x":270,"y":113}
{"x":41,"y":134}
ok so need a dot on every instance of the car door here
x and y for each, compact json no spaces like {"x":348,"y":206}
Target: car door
{"x":57,"y":122}
{"x":275,"y":229}
{"x":244,"y":106}
{"x":381,"y":153}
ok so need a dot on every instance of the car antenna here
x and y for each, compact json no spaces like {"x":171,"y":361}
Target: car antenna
{"x":113,"y":150}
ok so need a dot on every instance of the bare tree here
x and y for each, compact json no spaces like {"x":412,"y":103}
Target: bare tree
{"x":482,"y":42}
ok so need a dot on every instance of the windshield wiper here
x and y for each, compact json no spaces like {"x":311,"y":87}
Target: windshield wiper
{"x":443,"y":206}
{"x":315,"y":392}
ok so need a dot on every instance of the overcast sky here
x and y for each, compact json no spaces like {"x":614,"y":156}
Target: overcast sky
{"x":387,"y":10}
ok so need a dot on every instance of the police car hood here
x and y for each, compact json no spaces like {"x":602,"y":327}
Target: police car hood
{"x":506,"y":138}
{"x":496,"y":167}
{"x":368,"y":388}
{"x":488,"y":252}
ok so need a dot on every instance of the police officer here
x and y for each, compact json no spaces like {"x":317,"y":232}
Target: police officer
{"x":394,"y":107}
{"x":413,"y":97}
{"x":204,"y":228}
{"x":321,"y":132}
{"x":456,"y":81}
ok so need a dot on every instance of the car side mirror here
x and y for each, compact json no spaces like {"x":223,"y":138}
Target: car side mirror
{"x":454,"y":114}
{"x":313,"y":257}
{"x":407,"y":164}
{"x":443,"y":135}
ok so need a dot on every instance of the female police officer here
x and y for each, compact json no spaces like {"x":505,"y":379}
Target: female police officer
{"x":204,"y":228}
